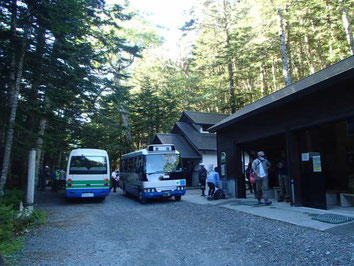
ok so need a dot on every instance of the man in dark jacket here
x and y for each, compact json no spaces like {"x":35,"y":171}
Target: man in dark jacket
{"x":202,"y":175}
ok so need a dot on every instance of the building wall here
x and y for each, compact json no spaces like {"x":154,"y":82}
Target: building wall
{"x":209,"y":159}
{"x":329,"y":101}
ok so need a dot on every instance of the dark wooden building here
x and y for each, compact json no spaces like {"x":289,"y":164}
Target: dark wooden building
{"x":312,"y":123}
{"x":192,"y":139}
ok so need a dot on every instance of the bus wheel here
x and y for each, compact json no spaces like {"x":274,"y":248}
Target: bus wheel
{"x":178,"y":197}
{"x":141,"y":197}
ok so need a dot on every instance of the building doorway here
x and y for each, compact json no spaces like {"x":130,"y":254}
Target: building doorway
{"x":275,"y":150}
{"x":333,"y":144}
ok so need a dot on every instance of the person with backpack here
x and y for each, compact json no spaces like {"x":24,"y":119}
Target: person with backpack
{"x":213,"y":180}
{"x":260,"y":167}
{"x":248,"y":171}
{"x":202,"y":175}
{"x":55,"y":179}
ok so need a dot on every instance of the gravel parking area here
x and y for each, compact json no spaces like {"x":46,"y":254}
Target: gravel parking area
{"x":121,"y":231}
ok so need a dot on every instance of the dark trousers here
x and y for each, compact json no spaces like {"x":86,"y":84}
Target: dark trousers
{"x":55,"y":185}
{"x":202,"y":187}
{"x":114,"y":184}
{"x":61,"y":184}
{"x":43,"y":183}
{"x":211,"y":189}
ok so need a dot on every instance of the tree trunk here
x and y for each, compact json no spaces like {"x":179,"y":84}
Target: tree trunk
{"x":309,"y":54}
{"x":332,"y":40}
{"x":36,"y":81}
{"x":232,"y":86}
{"x":39,"y":144}
{"x":274,"y":75}
{"x":124,"y":113}
{"x":264,"y":86}
{"x":348,"y":31}
{"x":284,"y":53}
{"x":15,"y":83}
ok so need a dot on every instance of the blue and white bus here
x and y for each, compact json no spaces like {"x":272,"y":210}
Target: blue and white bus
{"x":153,"y":172}
{"x":88,"y":174}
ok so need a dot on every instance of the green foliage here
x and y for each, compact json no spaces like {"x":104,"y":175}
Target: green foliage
{"x":243,"y":36}
{"x":12,"y":198}
{"x":78,"y":88}
{"x":6,"y":222}
{"x":12,"y":225}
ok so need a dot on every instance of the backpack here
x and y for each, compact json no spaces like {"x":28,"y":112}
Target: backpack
{"x":57,"y":175}
{"x":219,"y":194}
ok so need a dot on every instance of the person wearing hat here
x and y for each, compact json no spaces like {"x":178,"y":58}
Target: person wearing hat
{"x":202,"y":175}
{"x":260,"y":166}
{"x":45,"y":174}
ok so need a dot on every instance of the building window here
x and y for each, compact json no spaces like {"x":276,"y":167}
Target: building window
{"x":205,"y":128}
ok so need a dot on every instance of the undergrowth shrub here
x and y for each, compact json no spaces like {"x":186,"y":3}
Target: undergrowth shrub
{"x":13,"y":224}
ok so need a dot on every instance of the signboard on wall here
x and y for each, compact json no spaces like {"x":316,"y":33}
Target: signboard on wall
{"x":316,"y":162}
{"x":223,"y":164}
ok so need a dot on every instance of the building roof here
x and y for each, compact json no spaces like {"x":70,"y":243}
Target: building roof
{"x":181,"y":144}
{"x":319,"y":80}
{"x":200,"y":141}
{"x":201,"y":118}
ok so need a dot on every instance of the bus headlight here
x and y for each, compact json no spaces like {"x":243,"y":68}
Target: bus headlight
{"x":150,"y":190}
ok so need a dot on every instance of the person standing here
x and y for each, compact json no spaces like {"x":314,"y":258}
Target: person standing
{"x":44,"y":177}
{"x":62,"y":179}
{"x":248,"y":171}
{"x":114,"y":180}
{"x":283,"y":178}
{"x":260,"y":166}
{"x":202,"y":175}
{"x":55,"y":179}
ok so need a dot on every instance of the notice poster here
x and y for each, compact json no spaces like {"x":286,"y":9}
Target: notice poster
{"x":316,"y":162}
{"x":305,"y":157}
{"x":223,"y":164}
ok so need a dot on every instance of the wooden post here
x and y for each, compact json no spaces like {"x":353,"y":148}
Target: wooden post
{"x":31,"y":179}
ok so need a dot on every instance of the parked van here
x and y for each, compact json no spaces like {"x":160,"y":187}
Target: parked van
{"x":88,"y":174}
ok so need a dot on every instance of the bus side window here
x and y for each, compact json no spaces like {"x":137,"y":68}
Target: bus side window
{"x":138,"y":165}
{"x":122,"y":165}
{"x":130,"y":165}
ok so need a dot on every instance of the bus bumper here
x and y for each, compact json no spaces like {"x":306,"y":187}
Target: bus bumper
{"x":86,"y":193}
{"x":166,"y":194}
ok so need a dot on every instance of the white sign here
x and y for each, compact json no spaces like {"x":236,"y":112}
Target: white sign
{"x":305,"y":157}
{"x":316,"y":160}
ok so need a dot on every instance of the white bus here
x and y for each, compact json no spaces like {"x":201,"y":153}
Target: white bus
{"x":154,"y":172}
{"x":88,"y":174}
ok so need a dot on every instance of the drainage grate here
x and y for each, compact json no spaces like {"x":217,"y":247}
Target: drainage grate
{"x":247,"y":203}
{"x":332,"y":218}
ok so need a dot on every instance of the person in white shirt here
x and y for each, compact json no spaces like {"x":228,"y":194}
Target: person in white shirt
{"x":260,"y":166}
{"x":114,"y":180}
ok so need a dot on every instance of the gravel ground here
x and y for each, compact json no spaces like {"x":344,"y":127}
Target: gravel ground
{"x":121,"y":231}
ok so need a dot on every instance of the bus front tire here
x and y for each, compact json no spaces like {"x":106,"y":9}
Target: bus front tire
{"x":178,"y":197}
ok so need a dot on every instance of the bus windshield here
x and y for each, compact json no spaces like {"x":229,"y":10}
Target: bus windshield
{"x":88,"y":165}
{"x":163,"y":163}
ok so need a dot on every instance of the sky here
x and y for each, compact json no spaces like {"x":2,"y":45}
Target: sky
{"x":168,"y":14}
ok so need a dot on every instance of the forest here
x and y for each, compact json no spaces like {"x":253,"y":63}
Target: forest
{"x":81,"y":73}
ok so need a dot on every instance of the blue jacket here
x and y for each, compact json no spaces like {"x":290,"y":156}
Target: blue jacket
{"x":214,"y":177}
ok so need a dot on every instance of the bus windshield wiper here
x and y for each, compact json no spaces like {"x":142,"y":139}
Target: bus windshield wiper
{"x":156,"y":172}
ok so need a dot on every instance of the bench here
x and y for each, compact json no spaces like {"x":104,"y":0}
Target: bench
{"x":346,"y":199}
